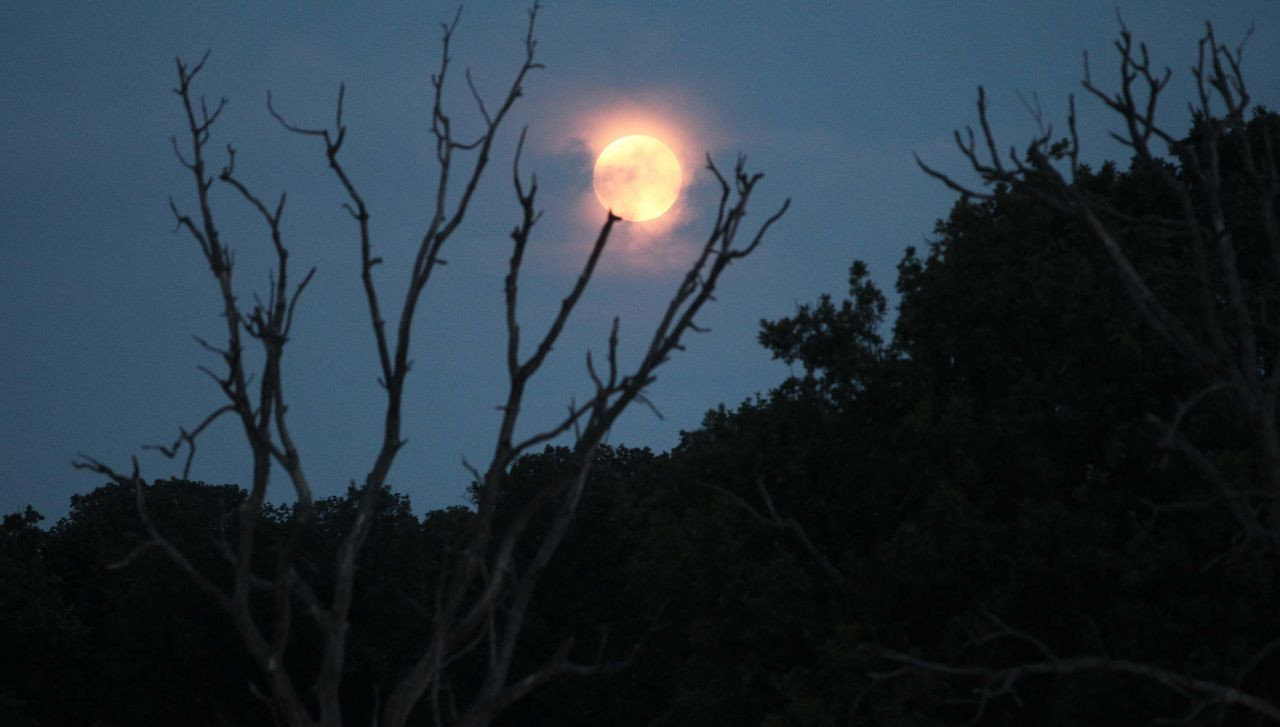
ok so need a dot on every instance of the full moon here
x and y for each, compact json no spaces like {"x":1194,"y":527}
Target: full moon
{"x":637,"y":178}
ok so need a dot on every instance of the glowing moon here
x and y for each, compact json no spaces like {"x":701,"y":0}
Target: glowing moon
{"x":637,"y":177}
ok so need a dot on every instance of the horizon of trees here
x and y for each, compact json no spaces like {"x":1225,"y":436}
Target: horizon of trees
{"x":990,"y":462}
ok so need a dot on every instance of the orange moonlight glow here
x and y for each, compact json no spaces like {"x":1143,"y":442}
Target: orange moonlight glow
{"x":637,"y":177}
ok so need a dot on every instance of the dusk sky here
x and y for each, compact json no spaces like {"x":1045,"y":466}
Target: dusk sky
{"x":99,"y":298}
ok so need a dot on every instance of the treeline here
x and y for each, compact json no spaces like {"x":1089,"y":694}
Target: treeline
{"x":983,"y":468}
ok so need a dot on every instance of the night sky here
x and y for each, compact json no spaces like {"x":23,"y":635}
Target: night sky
{"x":99,"y":298}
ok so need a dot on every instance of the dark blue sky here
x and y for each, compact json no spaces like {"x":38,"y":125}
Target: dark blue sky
{"x":99,"y":299}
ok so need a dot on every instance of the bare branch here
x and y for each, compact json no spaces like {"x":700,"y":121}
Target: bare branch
{"x":189,"y":438}
{"x":776,"y":521}
{"x":998,"y":682}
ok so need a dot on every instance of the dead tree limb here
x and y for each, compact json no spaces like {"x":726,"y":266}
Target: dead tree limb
{"x":995,"y":683}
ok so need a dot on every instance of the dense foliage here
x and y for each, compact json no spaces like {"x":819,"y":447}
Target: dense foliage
{"x":985,"y":464}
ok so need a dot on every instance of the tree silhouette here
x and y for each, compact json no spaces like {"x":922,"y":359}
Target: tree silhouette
{"x":1218,"y":194}
{"x":1211,"y":206}
{"x":482,"y":594}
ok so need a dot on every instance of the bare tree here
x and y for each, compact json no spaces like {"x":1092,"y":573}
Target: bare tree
{"x":1231,"y":341}
{"x":483,"y":594}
